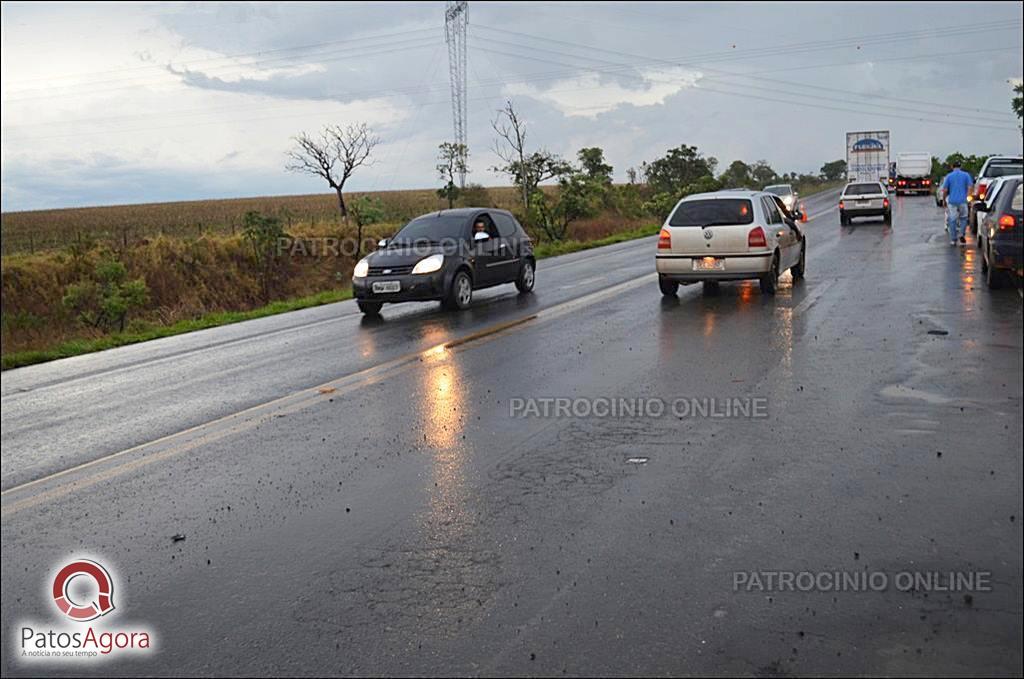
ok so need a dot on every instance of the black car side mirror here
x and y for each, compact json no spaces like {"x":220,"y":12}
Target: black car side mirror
{"x":382,"y":243}
{"x":481,"y":236}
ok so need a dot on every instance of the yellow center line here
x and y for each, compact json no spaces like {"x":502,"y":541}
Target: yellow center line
{"x":131,"y":459}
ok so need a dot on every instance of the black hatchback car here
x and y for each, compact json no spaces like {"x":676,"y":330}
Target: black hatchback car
{"x":445,"y":256}
{"x":1001,"y":235}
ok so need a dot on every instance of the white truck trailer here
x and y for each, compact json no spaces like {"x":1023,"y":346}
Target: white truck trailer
{"x":867,"y":156}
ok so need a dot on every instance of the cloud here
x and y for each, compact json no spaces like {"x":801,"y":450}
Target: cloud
{"x":92,"y":114}
{"x":589,"y":96}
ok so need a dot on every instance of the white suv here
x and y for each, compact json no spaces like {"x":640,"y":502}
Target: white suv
{"x":728,"y":236}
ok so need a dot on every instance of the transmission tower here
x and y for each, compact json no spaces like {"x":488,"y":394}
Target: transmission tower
{"x":455,"y":36}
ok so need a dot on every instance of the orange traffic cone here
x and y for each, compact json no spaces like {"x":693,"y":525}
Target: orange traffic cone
{"x":803,"y":212}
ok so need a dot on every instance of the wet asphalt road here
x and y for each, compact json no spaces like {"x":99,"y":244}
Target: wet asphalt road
{"x":356,"y":498}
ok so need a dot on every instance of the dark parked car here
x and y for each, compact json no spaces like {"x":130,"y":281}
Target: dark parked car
{"x":1001,"y":234}
{"x":445,"y":256}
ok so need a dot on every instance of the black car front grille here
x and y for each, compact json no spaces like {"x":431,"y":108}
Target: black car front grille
{"x":390,"y":270}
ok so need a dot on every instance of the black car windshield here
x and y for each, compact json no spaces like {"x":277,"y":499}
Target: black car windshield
{"x":1003,"y":169}
{"x":435,"y":228}
{"x":713,"y":212}
{"x":861,"y":189}
{"x":779,"y":190}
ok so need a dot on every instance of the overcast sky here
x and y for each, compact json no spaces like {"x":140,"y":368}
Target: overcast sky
{"x":128,"y":103}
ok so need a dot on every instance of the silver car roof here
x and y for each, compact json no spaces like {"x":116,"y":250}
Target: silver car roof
{"x":726,"y":193}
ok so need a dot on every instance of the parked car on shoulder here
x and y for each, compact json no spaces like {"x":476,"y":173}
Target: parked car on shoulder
{"x":994,"y":166}
{"x":1001,"y":235}
{"x":985,"y":204}
{"x":446,"y":256}
{"x":864,"y":199}
{"x":728,"y":236}
{"x":787,"y":193}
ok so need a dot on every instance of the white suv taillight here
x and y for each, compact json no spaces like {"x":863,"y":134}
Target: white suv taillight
{"x":756,"y":238}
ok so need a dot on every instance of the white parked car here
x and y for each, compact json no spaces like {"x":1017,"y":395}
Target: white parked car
{"x":728,"y":236}
{"x":995,"y":166}
{"x":984,"y":205}
{"x":787,"y":193}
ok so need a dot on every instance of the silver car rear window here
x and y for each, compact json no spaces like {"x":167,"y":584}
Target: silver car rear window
{"x":861,"y":189}
{"x":713,"y":212}
{"x":1003,"y":169}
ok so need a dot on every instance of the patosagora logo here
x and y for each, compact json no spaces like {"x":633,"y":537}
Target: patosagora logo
{"x":83,"y":591}
{"x":104,"y":602}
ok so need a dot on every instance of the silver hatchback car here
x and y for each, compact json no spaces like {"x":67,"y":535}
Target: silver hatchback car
{"x":864,"y":199}
{"x":728,"y":236}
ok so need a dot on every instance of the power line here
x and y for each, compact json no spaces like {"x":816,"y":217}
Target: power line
{"x":903,"y":109}
{"x":651,"y":79}
{"x":497,"y":82}
{"x":428,"y":88}
{"x":851,"y":41}
{"x":195,"y":62}
{"x":414,"y":43}
{"x":472,"y":99}
{"x":692,"y":62}
{"x":799,"y":103}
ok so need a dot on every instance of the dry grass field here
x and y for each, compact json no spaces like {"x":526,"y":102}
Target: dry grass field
{"x":195,"y":263}
{"x":120,"y":225}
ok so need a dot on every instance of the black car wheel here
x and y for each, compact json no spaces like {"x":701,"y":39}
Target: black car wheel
{"x":668,"y":287}
{"x":888,"y":219}
{"x":527,"y":276}
{"x":993,"y":276}
{"x":800,"y":268}
{"x":770,"y":281}
{"x":460,"y":294}
{"x":370,"y":308}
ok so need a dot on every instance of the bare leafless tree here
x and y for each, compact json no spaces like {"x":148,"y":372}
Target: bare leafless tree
{"x":334,"y":155}
{"x":527,"y":170}
{"x":510,"y":145}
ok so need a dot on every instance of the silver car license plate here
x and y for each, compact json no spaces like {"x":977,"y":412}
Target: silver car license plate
{"x":864,"y":202}
{"x":387,"y":286}
{"x":709,"y":264}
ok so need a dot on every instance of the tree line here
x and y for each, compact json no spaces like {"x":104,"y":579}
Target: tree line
{"x":584,"y":184}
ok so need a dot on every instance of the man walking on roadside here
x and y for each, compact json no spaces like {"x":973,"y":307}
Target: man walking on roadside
{"x":955,"y":188}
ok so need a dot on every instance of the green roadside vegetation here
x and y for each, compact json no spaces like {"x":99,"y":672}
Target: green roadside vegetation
{"x":144,"y":332}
